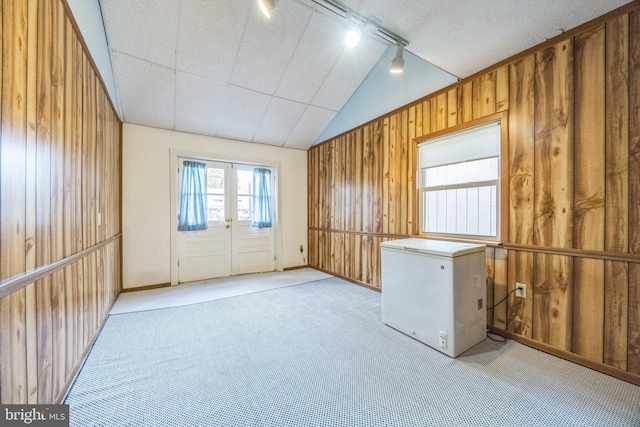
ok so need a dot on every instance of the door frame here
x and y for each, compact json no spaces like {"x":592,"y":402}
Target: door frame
{"x":173,"y":213}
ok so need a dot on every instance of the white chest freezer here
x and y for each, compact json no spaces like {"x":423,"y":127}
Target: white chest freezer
{"x":435,"y":292}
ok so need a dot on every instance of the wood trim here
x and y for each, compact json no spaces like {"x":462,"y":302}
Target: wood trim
{"x":74,"y":24}
{"x":567,"y":355}
{"x":146,"y":288}
{"x":348,"y":279}
{"x":18,"y":282}
{"x":297,"y":267}
{"x":502,"y":117}
{"x":579,"y":253}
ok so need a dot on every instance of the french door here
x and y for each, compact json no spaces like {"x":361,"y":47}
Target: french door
{"x":230,"y":244}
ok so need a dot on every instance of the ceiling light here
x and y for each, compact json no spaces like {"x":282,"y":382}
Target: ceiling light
{"x":352,"y":37}
{"x":268,"y":7}
{"x":397,"y":64}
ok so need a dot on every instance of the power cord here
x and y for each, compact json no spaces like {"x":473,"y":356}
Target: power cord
{"x":489,"y":334}
{"x":519,"y":288}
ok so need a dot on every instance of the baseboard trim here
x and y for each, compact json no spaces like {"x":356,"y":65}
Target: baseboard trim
{"x":147,"y":288}
{"x":297,"y":267}
{"x":571,"y":357}
{"x":348,"y":279}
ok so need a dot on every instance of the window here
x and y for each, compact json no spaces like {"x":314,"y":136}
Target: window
{"x":215,"y":194}
{"x":459,"y":183}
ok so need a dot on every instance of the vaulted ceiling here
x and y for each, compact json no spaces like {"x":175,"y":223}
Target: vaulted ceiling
{"x":220,"y":68}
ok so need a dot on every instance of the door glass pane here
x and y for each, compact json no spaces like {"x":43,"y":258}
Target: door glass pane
{"x":215,"y":194}
{"x":245,"y":195}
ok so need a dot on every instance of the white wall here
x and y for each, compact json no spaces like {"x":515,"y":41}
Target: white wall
{"x":383,"y":91}
{"x":146,"y":199}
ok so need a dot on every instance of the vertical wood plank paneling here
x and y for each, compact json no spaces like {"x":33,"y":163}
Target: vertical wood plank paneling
{"x":617,"y":135}
{"x":56,"y":130}
{"x":491,"y":300}
{"x":484,"y":95}
{"x":573,"y":162}
{"x":358,"y":179}
{"x":43,"y":147}
{"x":452,"y":107}
{"x":500,"y":287}
{"x":589,"y":187}
{"x":589,"y":158}
{"x":439,"y":112}
{"x":426,"y":117}
{"x":552,"y":300}
{"x":616,"y":308}
{"x":404,"y":174}
{"x":376,"y":178}
{"x":521,"y":152}
{"x":465,"y":102}
{"x":554,"y":146}
{"x":633,"y":356}
{"x":13,"y":142}
{"x":368,"y":168}
{"x":520,"y":316}
{"x":386,"y":168}
{"x":46,"y":326}
{"x":633,"y":352}
{"x":502,"y":89}
{"x":13,"y":348}
{"x":349,"y":204}
{"x":411,"y":170}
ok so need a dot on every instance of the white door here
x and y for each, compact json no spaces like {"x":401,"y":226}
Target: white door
{"x":230,"y":244}
{"x":252,"y":247}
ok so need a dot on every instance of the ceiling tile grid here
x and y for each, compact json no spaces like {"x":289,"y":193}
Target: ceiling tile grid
{"x":220,"y":68}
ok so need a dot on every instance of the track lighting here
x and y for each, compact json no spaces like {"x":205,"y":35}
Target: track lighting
{"x":397,"y":64}
{"x":268,"y":7}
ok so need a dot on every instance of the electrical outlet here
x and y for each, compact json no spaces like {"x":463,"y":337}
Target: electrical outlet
{"x":521,"y":293}
{"x":301,"y":248}
{"x":443,"y":339}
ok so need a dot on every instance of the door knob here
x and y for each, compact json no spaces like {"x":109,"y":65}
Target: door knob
{"x":227,"y":226}
{"x":228,"y":220}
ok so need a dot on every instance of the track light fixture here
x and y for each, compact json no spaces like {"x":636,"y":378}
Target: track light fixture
{"x":397,"y":63}
{"x":268,"y":7}
{"x":352,"y":36}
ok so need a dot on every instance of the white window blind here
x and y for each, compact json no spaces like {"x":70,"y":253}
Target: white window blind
{"x":459,"y":182}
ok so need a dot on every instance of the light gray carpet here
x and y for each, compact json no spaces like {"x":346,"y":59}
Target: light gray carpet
{"x":317,"y":354}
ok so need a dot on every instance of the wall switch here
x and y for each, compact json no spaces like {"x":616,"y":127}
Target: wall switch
{"x":521,"y":293}
{"x":443,"y":339}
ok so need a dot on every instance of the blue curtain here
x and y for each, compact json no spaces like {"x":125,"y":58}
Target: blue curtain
{"x":193,"y":206}
{"x":261,"y":198}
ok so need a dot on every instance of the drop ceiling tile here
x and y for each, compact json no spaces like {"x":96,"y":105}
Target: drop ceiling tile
{"x":145,"y":90}
{"x":313,"y":121}
{"x":318,"y":50}
{"x":243,"y":111}
{"x":199,"y":103}
{"x":350,"y":70}
{"x":145,"y":29}
{"x":210,"y":35}
{"x":279,"y":120}
{"x":268,"y":45}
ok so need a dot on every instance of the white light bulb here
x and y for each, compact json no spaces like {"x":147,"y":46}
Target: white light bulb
{"x":352,"y":37}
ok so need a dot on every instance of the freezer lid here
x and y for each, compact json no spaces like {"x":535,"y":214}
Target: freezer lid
{"x":433,"y":247}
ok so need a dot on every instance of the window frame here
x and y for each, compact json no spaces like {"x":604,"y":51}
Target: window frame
{"x":502,"y":198}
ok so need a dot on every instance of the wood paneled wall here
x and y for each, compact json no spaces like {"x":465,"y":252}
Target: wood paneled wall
{"x":573,"y":107}
{"x":60,"y":147}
